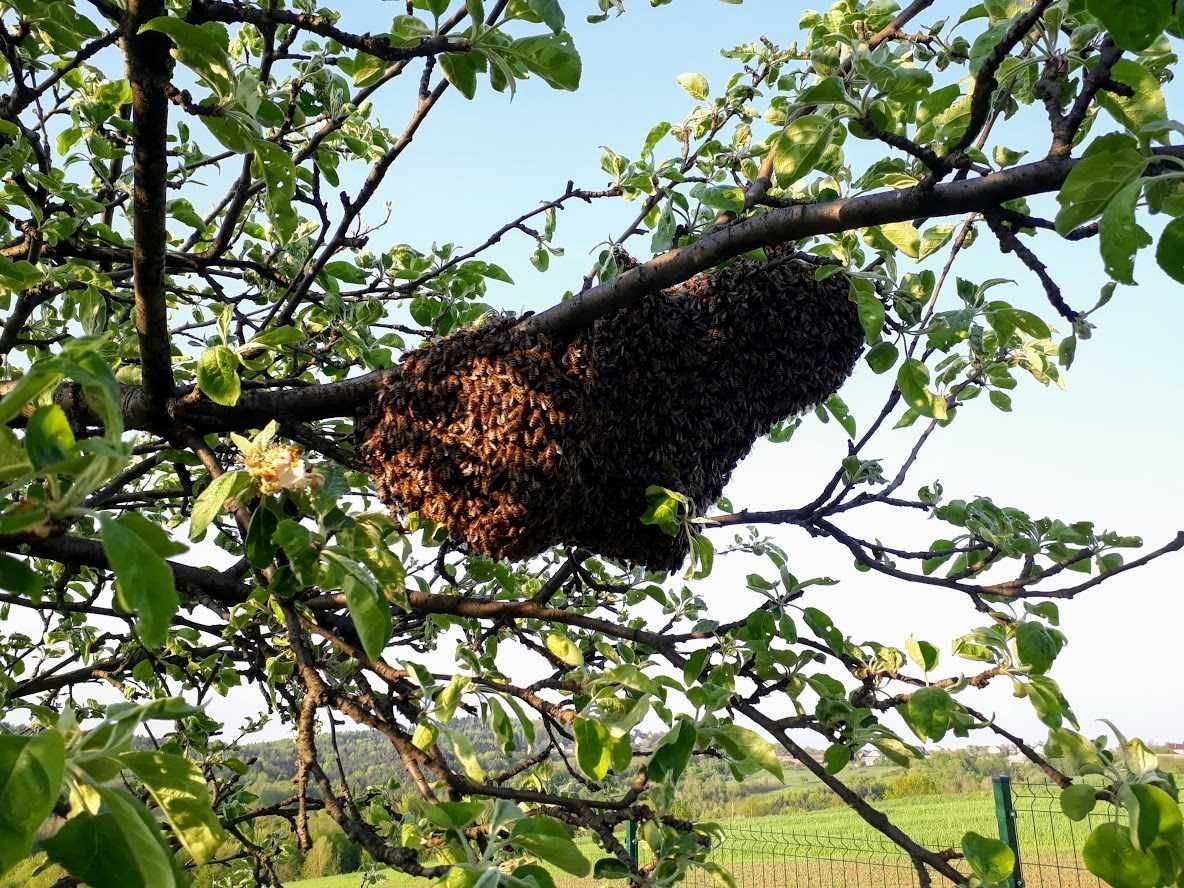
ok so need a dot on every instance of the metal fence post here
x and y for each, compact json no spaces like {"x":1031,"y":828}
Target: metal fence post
{"x":1005,"y":816}
{"x":631,"y":840}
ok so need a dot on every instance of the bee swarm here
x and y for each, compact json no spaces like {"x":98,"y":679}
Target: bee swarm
{"x":517,"y":443}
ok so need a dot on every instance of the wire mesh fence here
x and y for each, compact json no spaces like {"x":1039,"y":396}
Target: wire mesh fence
{"x":773,"y":857}
{"x":759,"y":856}
{"x":1028,"y":815}
{"x":1050,"y":843}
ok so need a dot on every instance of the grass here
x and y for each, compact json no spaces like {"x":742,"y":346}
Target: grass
{"x":834,"y":846}
{"x":351,"y":880}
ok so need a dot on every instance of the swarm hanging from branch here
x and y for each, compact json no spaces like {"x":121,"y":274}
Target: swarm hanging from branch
{"x":517,"y":442}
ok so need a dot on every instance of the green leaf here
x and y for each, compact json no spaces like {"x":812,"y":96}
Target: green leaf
{"x":1079,"y":754}
{"x":368,"y":607}
{"x":566,"y":650}
{"x":827,"y":91}
{"x":836,"y":757}
{"x":461,"y":69}
{"x":17,"y":576}
{"x":183,"y":211}
{"x":1048,"y":701}
{"x":673,"y":753}
{"x":346,"y":271}
{"x":213,"y":498}
{"x":145,"y":583}
{"x":31,"y":770}
{"x":14,"y":461}
{"x":1147,"y":105}
{"x":1046,"y":609}
{"x":302,"y":548}
{"x":39,"y":378}
{"x":1005,"y":157}
{"x":912,"y":379}
{"x":552,"y":57}
{"x":1134,"y":24}
{"x":462,"y":748}
{"x":607,"y":868}
{"x":665,"y":509}
{"x":1037,"y":646}
{"x":593,"y":748}
{"x":985,"y":44}
{"x":276,"y":337}
{"x":121,"y":847}
{"x":201,"y":48}
{"x":1109,"y":854}
{"x":922,"y":653}
{"x":694,"y":666}
{"x":837,"y":408}
{"x":48,"y":438}
{"x":695,"y":85}
{"x":1154,"y":815}
{"x":534,"y":876}
{"x":743,"y":744}
{"x":279,"y":174}
{"x":870,"y":308}
{"x":724,"y":198}
{"x":799,"y":147}
{"x":407,"y":30}
{"x":259,"y":546}
{"x":990,"y":859}
{"x":549,"y":839}
{"x":905,"y":237}
{"x":1078,"y":800}
{"x":217,"y":375}
{"x":368,"y":69}
{"x":933,"y":239}
{"x":927,"y":712}
{"x":1120,"y":236}
{"x":371,"y":613}
{"x":882,"y":357}
{"x":455,"y":815}
{"x":549,"y":11}
{"x":1170,"y":251}
{"x":1094,"y":181}
{"x":450,"y":697}
{"x":179,"y":790}
{"x":897,"y":750}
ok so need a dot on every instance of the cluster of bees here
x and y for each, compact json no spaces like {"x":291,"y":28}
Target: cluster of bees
{"x":516,"y":442}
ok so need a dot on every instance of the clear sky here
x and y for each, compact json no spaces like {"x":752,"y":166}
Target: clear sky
{"x":1105,"y":449}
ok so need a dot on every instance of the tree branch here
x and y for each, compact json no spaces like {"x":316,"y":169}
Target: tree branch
{"x":797,"y":222}
{"x":375,"y":45}
{"x":149,"y":70}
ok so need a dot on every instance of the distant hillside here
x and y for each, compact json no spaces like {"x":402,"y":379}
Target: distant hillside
{"x":709,"y":789}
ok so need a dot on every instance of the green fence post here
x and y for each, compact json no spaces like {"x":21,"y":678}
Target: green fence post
{"x":1005,"y":816}
{"x":631,"y":840}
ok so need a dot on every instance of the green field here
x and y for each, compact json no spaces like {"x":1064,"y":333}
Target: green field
{"x":835,"y":847}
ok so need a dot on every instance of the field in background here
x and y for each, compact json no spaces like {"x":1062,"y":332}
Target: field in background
{"x":834,"y":847}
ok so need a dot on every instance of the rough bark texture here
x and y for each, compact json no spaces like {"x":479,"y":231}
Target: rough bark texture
{"x":517,"y":442}
{"x":149,"y":70}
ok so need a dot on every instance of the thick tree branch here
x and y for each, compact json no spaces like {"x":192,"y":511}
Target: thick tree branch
{"x":336,"y":399}
{"x":149,"y":70}
{"x":794,"y":223}
{"x":89,"y":553}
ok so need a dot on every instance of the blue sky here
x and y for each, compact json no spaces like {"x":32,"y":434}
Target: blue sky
{"x":1107,"y":448}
